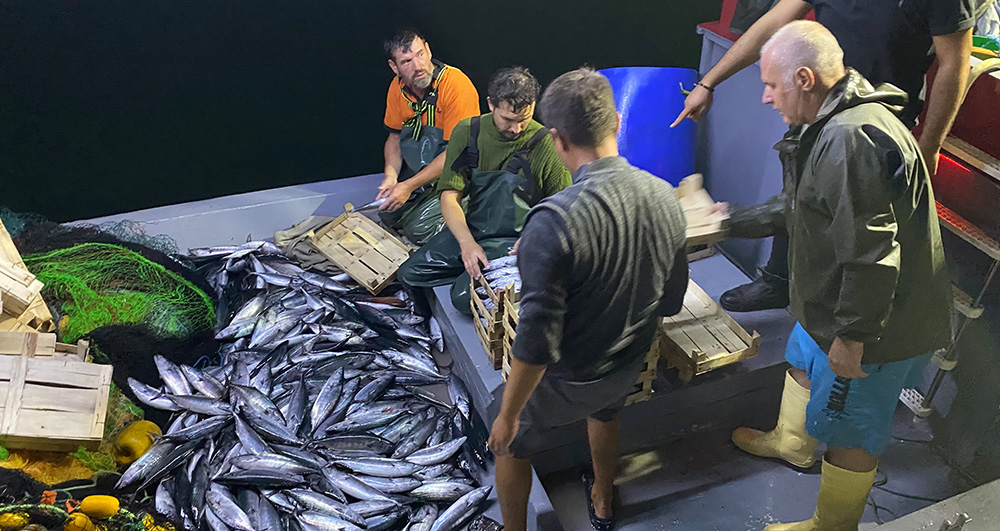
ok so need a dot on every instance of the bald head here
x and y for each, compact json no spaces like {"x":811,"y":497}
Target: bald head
{"x":805,"y":44}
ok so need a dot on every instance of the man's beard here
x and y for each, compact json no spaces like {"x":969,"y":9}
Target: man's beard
{"x":422,"y":82}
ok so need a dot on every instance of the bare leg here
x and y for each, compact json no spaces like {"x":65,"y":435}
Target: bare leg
{"x":800,"y":377}
{"x":603,"y":438}
{"x":513,"y":488}
{"x":853,"y":459}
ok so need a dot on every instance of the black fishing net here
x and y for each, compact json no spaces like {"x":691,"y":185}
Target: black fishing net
{"x":130,"y":349}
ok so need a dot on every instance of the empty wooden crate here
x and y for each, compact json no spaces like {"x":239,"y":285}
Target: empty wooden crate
{"x":49,"y":404}
{"x":703,"y":337}
{"x":365,"y":251}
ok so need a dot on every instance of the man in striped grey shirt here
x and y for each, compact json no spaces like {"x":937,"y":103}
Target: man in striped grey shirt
{"x":599,"y":262}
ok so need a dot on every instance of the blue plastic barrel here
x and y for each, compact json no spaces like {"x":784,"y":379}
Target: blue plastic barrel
{"x":648,"y":100}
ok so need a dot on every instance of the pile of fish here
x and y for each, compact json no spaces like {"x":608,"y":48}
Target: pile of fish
{"x":321,"y":416}
{"x":501,"y":273}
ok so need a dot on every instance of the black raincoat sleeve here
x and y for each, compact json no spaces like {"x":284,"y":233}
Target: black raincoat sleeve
{"x":857,"y":170}
{"x":759,"y":221}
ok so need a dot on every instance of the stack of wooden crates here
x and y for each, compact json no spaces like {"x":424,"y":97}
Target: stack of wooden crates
{"x":50,"y":398}
{"x":20,"y":292}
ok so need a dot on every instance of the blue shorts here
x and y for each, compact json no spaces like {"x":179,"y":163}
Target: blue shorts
{"x":851,"y":412}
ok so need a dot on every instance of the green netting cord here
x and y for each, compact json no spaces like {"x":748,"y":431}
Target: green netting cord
{"x":100,"y":284}
{"x":96,"y":461}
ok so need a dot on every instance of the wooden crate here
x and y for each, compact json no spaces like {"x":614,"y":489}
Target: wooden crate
{"x":364,"y":250}
{"x":41,"y":346}
{"x":489,"y":323}
{"x":703,"y":225}
{"x":24,"y":306}
{"x":703,"y":337}
{"x":644,"y":386}
{"x":52,"y":404}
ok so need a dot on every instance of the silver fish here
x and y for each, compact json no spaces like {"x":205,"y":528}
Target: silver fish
{"x":326,"y":400}
{"x":380,"y":466}
{"x":249,"y":439}
{"x":390,"y":485}
{"x":352,"y":486}
{"x":424,"y":518}
{"x":415,"y":439}
{"x":434,"y":473}
{"x":435,"y":334}
{"x":459,"y":395}
{"x":203,"y":383}
{"x":436,"y":454}
{"x":504,"y":262}
{"x":171,"y":375}
{"x":273,"y":462}
{"x":260,"y":479}
{"x":202,"y":405}
{"x":320,"y":521}
{"x":221,"y":502}
{"x":164,"y":501}
{"x":460,"y":511}
{"x":314,"y":501}
{"x":369,"y":508}
{"x":441,"y":491}
{"x":153,"y":398}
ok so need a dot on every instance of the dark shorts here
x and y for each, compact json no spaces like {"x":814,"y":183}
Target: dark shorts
{"x":557,"y":402}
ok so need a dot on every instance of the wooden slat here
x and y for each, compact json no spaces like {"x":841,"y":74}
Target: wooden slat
{"x":46,"y":397}
{"x":12,"y":404}
{"x":12,"y":342}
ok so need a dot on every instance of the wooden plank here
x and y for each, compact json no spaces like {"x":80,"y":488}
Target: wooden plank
{"x":14,"y":391}
{"x":51,"y":398}
{"x":12,"y":342}
{"x":8,"y":250}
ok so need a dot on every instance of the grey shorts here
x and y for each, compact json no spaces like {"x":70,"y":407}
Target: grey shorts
{"x":557,"y":402}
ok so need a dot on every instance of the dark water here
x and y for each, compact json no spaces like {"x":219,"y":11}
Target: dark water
{"x":108,"y":107}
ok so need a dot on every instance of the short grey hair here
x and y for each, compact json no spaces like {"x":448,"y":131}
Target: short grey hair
{"x":805,"y":43}
{"x":581,"y":107}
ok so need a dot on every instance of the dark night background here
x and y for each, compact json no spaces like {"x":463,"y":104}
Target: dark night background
{"x":108,"y":107}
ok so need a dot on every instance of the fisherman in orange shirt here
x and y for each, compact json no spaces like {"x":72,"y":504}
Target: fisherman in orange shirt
{"x":425,"y":101}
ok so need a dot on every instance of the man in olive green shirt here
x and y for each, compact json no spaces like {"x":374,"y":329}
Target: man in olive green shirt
{"x":503,"y":162}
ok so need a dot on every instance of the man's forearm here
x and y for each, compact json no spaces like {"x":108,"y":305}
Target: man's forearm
{"x":393,"y":156}
{"x":949,"y":89}
{"x":454,"y":217}
{"x":746,"y":50}
{"x":521,"y":382}
{"x":429,"y":174}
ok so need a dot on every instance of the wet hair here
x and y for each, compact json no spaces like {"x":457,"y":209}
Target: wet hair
{"x":514,"y":85}
{"x":402,"y":40}
{"x":580,"y":106}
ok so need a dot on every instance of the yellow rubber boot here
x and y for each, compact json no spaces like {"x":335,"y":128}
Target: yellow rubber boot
{"x":840,"y":504}
{"x":789,"y":439}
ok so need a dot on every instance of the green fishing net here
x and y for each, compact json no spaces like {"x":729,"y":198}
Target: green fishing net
{"x":101,"y":284}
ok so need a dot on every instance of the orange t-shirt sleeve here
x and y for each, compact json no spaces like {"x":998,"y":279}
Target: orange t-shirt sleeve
{"x":457,"y":100}
{"x":396,"y":109}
